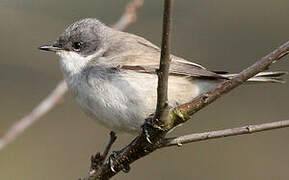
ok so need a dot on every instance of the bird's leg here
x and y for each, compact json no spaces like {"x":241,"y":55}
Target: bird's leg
{"x":98,"y":159}
{"x":152,"y":131}
{"x":147,"y":128}
{"x":110,"y":143}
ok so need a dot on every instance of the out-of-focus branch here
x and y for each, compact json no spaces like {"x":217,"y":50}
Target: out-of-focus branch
{"x":55,"y":96}
{"x":129,"y":16}
{"x":47,"y":104}
{"x":178,"y":141}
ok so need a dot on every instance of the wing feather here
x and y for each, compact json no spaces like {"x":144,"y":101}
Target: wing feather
{"x":138,"y":54}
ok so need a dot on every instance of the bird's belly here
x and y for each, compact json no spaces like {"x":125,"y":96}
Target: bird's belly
{"x":122,"y":104}
{"x":111,"y":107}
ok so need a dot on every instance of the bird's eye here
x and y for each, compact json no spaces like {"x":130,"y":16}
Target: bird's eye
{"x":77,"y":46}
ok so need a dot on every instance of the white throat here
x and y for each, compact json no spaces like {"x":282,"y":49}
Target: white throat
{"x":72,"y":63}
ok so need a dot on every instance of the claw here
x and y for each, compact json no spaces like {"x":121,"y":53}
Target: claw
{"x":146,"y":127}
{"x":147,"y":135}
{"x":111,"y":158}
{"x":112,"y":168}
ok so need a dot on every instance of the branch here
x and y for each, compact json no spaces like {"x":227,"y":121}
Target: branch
{"x":179,"y":141}
{"x":47,"y":104}
{"x":183,"y":112}
{"x":161,"y":117}
{"x":57,"y":94}
{"x":129,"y":16}
{"x":139,"y":147}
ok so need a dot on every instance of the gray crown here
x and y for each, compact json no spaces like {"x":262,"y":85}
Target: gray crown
{"x":85,"y":36}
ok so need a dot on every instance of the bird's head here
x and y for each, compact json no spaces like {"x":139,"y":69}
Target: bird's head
{"x":81,"y":42}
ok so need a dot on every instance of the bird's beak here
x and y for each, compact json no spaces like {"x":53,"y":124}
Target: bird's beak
{"x":50,"y":48}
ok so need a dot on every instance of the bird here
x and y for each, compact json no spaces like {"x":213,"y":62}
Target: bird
{"x":112,"y":74}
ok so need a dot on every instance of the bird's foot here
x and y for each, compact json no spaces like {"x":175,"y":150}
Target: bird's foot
{"x":152,"y":133}
{"x":98,"y":159}
{"x":111,"y":159}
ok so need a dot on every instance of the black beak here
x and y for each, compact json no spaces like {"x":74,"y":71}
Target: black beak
{"x":50,"y":48}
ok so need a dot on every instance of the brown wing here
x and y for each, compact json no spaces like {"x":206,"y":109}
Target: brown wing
{"x":176,"y":69}
{"x":131,"y":52}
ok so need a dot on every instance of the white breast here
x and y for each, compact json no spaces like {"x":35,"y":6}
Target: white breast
{"x":123,"y":101}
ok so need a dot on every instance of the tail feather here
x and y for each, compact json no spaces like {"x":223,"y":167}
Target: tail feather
{"x":270,"y":77}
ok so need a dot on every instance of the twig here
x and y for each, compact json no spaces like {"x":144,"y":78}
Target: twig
{"x":161,"y":116}
{"x":178,"y":141}
{"x":47,"y":104}
{"x":183,"y":112}
{"x":51,"y":100}
{"x":129,"y":16}
{"x":141,"y":145}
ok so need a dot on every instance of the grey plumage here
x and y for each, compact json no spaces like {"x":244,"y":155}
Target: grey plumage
{"x":112,"y":74}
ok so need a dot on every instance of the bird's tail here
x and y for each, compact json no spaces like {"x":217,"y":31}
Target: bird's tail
{"x":270,"y":77}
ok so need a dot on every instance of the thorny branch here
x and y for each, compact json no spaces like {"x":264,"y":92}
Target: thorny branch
{"x":57,"y":94}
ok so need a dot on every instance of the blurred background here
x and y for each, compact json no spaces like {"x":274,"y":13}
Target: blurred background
{"x":221,"y":35}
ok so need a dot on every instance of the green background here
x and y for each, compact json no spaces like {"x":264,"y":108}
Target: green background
{"x":221,"y":35}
